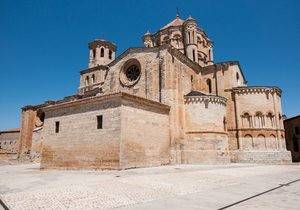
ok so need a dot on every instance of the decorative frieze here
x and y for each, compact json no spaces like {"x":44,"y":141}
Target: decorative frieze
{"x":257,"y":90}
{"x":205,"y":99}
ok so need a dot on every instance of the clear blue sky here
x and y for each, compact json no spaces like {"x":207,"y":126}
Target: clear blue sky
{"x":43,"y":44}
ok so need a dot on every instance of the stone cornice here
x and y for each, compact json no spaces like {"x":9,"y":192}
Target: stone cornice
{"x":218,"y":66}
{"x":101,"y":42}
{"x":205,"y":99}
{"x":256,"y":129}
{"x":121,"y":95}
{"x":256,"y":89}
{"x":206,"y":131}
{"x":88,"y":70}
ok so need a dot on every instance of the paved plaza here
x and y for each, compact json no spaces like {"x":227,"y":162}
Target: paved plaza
{"x":236,"y":186}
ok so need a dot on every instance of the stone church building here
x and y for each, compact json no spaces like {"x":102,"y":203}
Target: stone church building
{"x":165,"y":103}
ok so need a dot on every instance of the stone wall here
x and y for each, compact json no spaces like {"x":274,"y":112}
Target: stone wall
{"x":223,"y":77}
{"x":206,"y":139}
{"x":261,"y":157}
{"x":129,"y":136}
{"x":79,"y":144}
{"x":259,"y":117}
{"x":145,"y":137}
{"x":9,"y":141}
{"x":292,"y":135}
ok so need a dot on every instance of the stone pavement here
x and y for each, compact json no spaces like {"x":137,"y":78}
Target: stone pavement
{"x":167,"y":187}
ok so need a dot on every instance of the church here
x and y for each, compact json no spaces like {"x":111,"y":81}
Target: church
{"x":167,"y":102}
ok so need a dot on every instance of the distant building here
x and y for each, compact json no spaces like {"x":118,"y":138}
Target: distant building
{"x":292,"y":136}
{"x":167,"y":102}
{"x":9,"y":140}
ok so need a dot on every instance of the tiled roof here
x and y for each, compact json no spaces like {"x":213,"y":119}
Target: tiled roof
{"x":195,"y":93}
{"x":176,"y":22}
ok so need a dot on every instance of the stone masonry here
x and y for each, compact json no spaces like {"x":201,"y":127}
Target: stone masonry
{"x":164,"y":103}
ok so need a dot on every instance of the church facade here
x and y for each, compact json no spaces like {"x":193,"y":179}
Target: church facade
{"x":165,"y":103}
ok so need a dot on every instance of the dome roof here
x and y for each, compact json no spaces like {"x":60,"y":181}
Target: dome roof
{"x":176,"y":22}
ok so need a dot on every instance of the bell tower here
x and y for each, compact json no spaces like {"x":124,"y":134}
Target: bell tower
{"x":102,"y":52}
{"x":190,"y":39}
{"x":147,"y":39}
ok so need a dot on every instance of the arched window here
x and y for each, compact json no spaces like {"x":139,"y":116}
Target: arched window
{"x":193,"y":35}
{"x":194,"y":56}
{"x":177,"y":39}
{"x":102,"y":52}
{"x":237,"y":76}
{"x":247,"y":143}
{"x":87,"y":80}
{"x":270,"y":119}
{"x":208,"y":82}
{"x":94,"y":53}
{"x":247,"y":120}
{"x":110,"y":54}
{"x":93,"y":78}
{"x":260,"y":142}
{"x":259,"y":120}
{"x":165,"y":40}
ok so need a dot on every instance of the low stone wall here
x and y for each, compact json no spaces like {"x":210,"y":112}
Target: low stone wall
{"x":9,"y":141}
{"x":8,"y":158}
{"x":261,"y":157}
{"x":209,"y":148}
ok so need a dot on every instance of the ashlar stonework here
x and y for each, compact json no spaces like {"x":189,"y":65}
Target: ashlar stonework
{"x":164,"y":103}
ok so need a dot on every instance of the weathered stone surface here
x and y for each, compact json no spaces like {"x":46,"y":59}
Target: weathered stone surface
{"x":226,"y":121}
{"x":128,"y":139}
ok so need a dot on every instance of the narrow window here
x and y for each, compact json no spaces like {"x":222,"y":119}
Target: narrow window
{"x":99,"y":122}
{"x":193,"y":37}
{"x":94,"y":53}
{"x":102,"y":52}
{"x":209,"y":54}
{"x":194,"y":58}
{"x":237,"y":76}
{"x":57,"y":127}
{"x":109,"y":54}
{"x":208,"y":82}
{"x":224,"y":123}
{"x":192,"y":78}
{"x":93,"y":78}
{"x":87,"y":81}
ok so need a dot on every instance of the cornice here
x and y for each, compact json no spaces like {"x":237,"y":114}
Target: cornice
{"x":220,"y":65}
{"x":92,"y":69}
{"x":101,"y":42}
{"x":205,"y":99}
{"x":121,"y":95}
{"x":257,"y":89}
